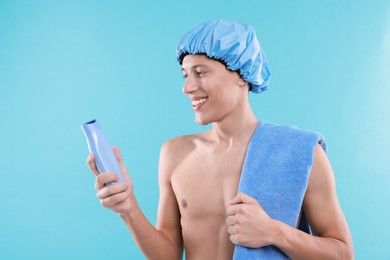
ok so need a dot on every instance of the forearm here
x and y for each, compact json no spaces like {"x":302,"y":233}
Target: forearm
{"x":153,"y":243}
{"x":299,"y":245}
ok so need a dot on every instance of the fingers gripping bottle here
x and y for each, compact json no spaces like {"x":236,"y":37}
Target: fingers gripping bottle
{"x":98,"y":144}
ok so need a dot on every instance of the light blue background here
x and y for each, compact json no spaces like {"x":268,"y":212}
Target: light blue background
{"x":65,"y":62}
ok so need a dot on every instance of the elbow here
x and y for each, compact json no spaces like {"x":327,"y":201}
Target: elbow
{"x":348,"y":251}
{"x":343,"y":249}
{"x":165,"y":256}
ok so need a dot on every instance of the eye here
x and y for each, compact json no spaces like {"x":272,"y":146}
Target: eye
{"x":200,"y":73}
{"x":185,"y":76}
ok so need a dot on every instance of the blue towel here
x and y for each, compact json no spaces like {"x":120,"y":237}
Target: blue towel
{"x":276,"y":172}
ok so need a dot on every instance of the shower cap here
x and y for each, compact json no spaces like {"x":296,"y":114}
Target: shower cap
{"x":233,"y":43}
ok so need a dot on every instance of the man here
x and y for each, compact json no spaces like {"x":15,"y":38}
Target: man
{"x":199,"y":175}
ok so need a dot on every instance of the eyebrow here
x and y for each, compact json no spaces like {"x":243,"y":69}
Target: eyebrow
{"x":195,"y":66}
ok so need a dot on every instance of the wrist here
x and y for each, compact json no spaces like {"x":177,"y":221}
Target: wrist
{"x":132,"y":210}
{"x":277,"y":235}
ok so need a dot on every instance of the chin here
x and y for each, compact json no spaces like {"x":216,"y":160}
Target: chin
{"x":202,"y":121}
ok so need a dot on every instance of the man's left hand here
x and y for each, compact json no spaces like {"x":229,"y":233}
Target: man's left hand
{"x":248,"y":224}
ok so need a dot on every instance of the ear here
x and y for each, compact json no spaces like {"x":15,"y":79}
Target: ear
{"x":242,"y":83}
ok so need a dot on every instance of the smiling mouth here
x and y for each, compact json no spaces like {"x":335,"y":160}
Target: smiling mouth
{"x":196,"y":104}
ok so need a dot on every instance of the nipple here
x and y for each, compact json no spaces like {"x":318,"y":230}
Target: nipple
{"x":184,"y":203}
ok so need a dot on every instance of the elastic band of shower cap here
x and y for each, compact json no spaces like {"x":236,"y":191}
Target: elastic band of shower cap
{"x":233,"y":43}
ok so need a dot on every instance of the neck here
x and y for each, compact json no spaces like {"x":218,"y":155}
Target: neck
{"x":235,"y":128}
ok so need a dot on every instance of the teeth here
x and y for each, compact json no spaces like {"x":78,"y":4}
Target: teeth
{"x":199,"y":101}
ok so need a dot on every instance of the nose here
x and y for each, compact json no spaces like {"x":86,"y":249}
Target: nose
{"x":190,"y":85}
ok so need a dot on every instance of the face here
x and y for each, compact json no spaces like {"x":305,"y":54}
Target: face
{"x":214,"y":91}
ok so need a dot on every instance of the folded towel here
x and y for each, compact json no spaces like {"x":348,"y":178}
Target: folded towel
{"x":276,"y":172}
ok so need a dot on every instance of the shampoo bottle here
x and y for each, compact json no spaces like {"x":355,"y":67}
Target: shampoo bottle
{"x":98,"y":144}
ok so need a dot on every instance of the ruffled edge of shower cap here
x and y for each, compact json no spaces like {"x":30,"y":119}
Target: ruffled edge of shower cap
{"x":235,"y":44}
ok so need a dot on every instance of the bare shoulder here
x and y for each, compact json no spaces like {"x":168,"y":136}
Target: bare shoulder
{"x":321,"y":186}
{"x":321,"y":176}
{"x":179,"y":145}
{"x":176,"y":149}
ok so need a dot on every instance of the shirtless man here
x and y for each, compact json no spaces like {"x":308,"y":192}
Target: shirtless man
{"x":199,"y":208}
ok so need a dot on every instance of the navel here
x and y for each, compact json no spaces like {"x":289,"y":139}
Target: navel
{"x":184,"y":203}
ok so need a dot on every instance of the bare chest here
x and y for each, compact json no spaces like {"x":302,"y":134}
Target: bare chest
{"x":204,"y":184}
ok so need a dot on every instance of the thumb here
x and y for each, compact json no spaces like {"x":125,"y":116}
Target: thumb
{"x":244,"y":199}
{"x":121,"y":164}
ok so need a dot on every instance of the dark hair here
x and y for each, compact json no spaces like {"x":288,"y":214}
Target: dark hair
{"x":181,"y":58}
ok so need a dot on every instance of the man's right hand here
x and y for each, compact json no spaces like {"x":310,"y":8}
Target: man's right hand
{"x":117,"y":197}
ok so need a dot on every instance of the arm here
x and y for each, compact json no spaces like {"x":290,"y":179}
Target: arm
{"x":249,"y":224}
{"x":163,"y":242}
{"x":325,"y":216}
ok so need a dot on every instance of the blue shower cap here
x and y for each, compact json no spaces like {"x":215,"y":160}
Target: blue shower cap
{"x":233,"y":43}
